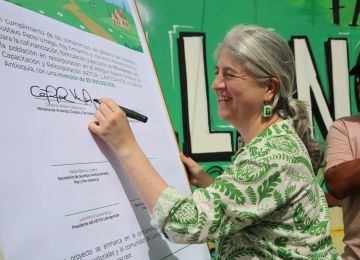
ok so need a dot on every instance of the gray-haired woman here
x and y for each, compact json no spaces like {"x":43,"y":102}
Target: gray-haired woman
{"x":266,"y":204}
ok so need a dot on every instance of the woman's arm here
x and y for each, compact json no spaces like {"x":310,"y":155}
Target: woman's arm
{"x":112,"y":126}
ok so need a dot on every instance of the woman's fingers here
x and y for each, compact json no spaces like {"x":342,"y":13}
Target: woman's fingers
{"x":100,"y":117}
{"x":110,"y":104}
{"x":190,"y":163}
{"x":94,"y":127}
{"x":108,"y":112}
{"x":112,"y":126}
{"x":183,"y":158}
{"x":105,"y":110}
{"x":196,"y":174}
{"x":111,"y":111}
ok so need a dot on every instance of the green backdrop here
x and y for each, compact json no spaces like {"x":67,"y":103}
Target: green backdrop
{"x":318,"y":21}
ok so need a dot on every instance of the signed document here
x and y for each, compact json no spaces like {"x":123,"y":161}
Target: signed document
{"x":62,"y":193}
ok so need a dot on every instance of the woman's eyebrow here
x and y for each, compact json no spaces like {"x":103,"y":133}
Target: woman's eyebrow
{"x":226,"y":69}
{"x":234,"y":71}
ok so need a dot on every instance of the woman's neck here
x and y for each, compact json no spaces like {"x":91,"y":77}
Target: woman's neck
{"x":252,"y":129}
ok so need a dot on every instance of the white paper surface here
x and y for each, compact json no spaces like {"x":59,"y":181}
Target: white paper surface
{"x":60,"y":197}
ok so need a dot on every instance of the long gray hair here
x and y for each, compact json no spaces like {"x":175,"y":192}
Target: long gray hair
{"x":265,"y":54}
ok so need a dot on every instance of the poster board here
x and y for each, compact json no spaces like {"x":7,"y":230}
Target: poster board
{"x":62,"y":194}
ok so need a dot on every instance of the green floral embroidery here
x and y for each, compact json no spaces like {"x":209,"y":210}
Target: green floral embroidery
{"x":277,"y":129}
{"x":281,"y":241}
{"x":304,"y":161}
{"x":278,"y":198}
{"x":289,"y":191}
{"x":260,"y":152}
{"x":313,"y":198}
{"x":276,"y":225}
{"x":218,"y":213}
{"x":284,"y":253}
{"x":287,"y":129}
{"x":230,"y":190}
{"x":307,"y":225}
{"x":322,"y":244}
{"x":251,"y":194}
{"x":250,"y":172}
{"x":245,"y":216}
{"x":186,"y":213}
{"x":266,"y":133}
{"x":284,"y":145}
{"x":178,"y":229}
{"x":202,"y":218}
{"x":243,"y":251}
{"x":267,"y":187}
{"x":205,"y":193}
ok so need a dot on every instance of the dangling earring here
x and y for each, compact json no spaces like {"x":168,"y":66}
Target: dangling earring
{"x":267,"y":112}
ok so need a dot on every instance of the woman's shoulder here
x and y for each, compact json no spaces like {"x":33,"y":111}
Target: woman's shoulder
{"x":278,"y":147}
{"x":279,"y":138}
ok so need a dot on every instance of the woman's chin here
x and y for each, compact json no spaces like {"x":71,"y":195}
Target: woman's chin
{"x":224,"y":115}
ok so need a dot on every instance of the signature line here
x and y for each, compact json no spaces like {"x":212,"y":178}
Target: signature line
{"x":65,"y":164}
{"x":76,"y":213}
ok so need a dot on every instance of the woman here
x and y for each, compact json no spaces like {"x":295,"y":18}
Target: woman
{"x":267,"y":203}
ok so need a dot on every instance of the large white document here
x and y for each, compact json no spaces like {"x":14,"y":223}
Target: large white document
{"x":62,"y":194}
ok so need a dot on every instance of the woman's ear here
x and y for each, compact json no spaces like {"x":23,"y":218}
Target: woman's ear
{"x":272,"y":87}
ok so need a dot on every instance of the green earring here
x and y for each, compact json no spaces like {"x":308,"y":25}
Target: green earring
{"x":267,"y":111}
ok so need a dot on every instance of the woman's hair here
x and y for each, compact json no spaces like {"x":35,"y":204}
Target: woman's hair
{"x":266,"y":55}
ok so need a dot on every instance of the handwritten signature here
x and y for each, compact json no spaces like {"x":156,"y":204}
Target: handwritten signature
{"x":61,"y":94}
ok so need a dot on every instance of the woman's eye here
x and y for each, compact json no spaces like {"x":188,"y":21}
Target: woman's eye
{"x":229,"y":76}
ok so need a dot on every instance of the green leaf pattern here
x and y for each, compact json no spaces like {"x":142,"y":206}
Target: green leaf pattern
{"x":251,"y":194}
{"x":266,"y":204}
{"x":289,"y":191}
{"x":218,"y":213}
{"x":266,"y":189}
{"x":278,"y":198}
{"x":229,"y":190}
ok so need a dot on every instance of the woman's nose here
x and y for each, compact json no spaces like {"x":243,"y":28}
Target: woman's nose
{"x":219,"y":82}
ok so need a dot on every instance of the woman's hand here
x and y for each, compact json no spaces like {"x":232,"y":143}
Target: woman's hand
{"x":112,"y":126}
{"x":197,"y":175}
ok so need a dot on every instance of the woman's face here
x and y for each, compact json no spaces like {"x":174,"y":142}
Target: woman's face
{"x":240,"y":96}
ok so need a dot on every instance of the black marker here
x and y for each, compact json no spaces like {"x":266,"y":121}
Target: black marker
{"x":130,"y":113}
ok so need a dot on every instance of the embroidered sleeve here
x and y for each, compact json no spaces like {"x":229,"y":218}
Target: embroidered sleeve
{"x":164,"y":205}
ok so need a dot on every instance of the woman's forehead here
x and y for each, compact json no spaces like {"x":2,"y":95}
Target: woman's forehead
{"x":226,"y":58}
